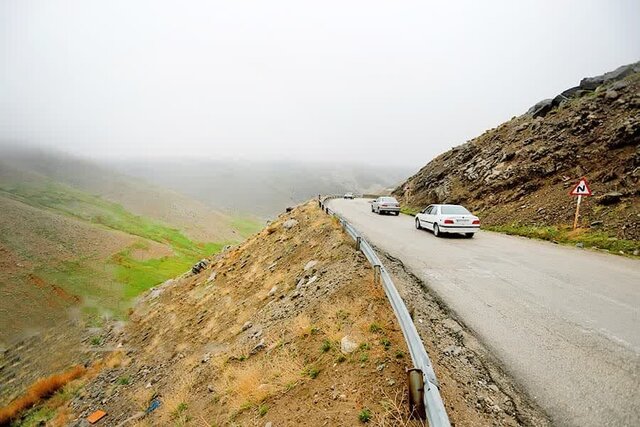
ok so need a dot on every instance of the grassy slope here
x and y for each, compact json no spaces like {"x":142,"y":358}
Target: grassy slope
{"x":109,"y":285}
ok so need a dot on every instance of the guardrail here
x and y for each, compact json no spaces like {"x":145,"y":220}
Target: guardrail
{"x":433,"y":404}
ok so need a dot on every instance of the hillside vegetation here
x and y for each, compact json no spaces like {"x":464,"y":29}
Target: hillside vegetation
{"x":93,"y":250}
{"x":517,"y":177}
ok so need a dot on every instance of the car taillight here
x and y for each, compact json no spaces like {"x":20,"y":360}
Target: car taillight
{"x":384,"y":204}
{"x":476,"y":221}
{"x":448,"y":221}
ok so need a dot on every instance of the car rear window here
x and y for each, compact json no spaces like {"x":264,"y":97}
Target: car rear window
{"x":454,"y":210}
{"x":388,"y":199}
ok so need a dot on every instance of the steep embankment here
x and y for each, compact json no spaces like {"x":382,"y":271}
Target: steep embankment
{"x":257,"y":337}
{"x":517,"y":176}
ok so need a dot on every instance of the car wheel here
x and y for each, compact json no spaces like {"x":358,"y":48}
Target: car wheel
{"x":469,"y":235}
{"x":418,"y":226}
{"x":436,"y":230}
{"x":372,"y":208}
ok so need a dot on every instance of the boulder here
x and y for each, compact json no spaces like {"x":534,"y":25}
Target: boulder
{"x":610,"y":198}
{"x":590,"y":83}
{"x":611,"y":94}
{"x":541,"y":108}
{"x":310,"y":265}
{"x":348,"y":345}
{"x":290,"y":223}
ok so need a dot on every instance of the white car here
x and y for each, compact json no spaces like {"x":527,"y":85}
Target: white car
{"x":385,"y":204}
{"x":448,"y":219}
{"x":349,"y":196}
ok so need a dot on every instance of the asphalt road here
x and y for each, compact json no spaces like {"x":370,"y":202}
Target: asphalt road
{"x":564,"y":322}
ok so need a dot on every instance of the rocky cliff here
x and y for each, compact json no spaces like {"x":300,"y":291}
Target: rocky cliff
{"x":521,"y":172}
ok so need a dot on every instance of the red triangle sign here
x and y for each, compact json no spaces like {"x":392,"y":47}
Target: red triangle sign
{"x":581,"y":189}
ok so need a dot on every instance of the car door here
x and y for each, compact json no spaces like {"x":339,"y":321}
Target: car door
{"x":423,"y":215}
{"x":431,"y":217}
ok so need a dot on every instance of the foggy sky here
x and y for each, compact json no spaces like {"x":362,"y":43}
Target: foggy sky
{"x":370,"y":81}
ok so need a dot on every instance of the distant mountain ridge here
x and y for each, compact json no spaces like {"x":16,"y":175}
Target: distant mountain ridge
{"x":261,"y":188}
{"x":520,"y":173}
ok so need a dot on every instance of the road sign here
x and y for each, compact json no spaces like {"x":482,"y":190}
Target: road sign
{"x":581,"y":189}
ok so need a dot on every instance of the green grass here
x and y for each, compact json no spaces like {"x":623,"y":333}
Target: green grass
{"x":565,"y":235}
{"x":365,"y":415}
{"x":124,"y":380}
{"x":138,"y":276}
{"x":312,"y":371}
{"x":407,"y":210}
{"x":37,"y":416}
{"x":262,"y":410}
{"x":110,"y":286}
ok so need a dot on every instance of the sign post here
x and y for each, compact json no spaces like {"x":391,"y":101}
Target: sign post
{"x":581,"y":189}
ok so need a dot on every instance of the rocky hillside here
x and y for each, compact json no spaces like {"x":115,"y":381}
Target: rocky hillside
{"x":520,"y":173}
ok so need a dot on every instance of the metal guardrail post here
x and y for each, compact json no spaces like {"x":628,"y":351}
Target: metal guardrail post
{"x":358,"y":242}
{"x":376,"y":274}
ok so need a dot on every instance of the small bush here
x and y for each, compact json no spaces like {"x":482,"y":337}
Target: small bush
{"x":179,"y":412}
{"x":96,"y":340}
{"x":341,"y":358}
{"x":365,"y":415}
{"x":124,"y":380}
{"x":342,"y":315}
{"x":364,"y":357}
{"x":39,"y":390}
{"x":326,"y":346}
{"x":365,"y":346}
{"x":386,"y":343}
{"x":262,"y":410}
{"x":375,"y":328}
{"x":399,"y":354}
{"x":312,"y":371}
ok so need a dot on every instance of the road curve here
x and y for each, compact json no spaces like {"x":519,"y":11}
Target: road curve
{"x":564,"y":322}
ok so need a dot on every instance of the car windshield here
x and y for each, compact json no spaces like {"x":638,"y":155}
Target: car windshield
{"x":388,"y":200}
{"x":454,"y":210}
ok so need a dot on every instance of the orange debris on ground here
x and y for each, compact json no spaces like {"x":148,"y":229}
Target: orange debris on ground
{"x":96,"y":416}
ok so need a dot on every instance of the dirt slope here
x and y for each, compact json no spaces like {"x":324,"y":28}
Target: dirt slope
{"x":521,"y":172}
{"x":256,"y":337}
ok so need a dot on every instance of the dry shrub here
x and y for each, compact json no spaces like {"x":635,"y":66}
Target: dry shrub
{"x":301,"y":326}
{"x":41,"y":389}
{"x":395,"y":411}
{"x":257,"y":378}
{"x":181,"y":392}
{"x":61,"y":419}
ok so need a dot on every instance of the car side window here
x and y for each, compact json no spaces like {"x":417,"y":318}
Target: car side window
{"x":434,"y":210}
{"x":426,"y":210}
